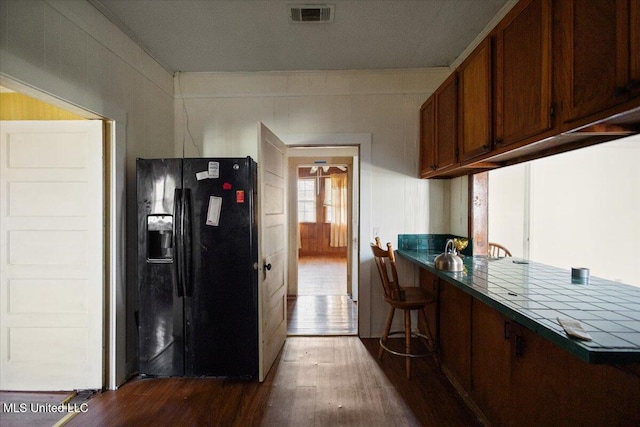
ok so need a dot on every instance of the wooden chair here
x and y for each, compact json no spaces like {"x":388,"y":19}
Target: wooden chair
{"x":498,"y":251}
{"x":403,"y":298}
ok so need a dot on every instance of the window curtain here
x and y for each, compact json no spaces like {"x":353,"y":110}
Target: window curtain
{"x":339,"y":199}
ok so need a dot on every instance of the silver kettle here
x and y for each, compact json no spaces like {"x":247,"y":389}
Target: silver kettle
{"x":449,"y":260}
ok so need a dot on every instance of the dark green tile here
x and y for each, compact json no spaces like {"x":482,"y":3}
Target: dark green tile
{"x":607,"y":326}
{"x":535,"y":294}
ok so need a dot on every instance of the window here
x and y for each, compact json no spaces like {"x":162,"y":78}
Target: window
{"x":575,"y":209}
{"x":307,"y":200}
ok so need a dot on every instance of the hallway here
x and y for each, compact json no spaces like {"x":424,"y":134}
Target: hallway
{"x":322,"y":306}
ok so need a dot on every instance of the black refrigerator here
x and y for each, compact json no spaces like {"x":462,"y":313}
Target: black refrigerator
{"x":197,"y":267}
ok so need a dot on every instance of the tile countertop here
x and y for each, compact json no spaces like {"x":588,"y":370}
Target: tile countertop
{"x":534,"y":295}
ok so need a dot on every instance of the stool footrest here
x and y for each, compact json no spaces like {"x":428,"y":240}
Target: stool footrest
{"x":413,"y":335}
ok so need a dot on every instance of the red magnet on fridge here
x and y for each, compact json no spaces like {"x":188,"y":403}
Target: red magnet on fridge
{"x":239,"y":196}
{"x":226,"y":186}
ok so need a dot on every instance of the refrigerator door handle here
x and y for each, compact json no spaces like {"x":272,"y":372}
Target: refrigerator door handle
{"x":186,"y":237}
{"x":179,"y":242}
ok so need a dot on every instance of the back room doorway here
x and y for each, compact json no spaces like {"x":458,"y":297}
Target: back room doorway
{"x":321,"y":297}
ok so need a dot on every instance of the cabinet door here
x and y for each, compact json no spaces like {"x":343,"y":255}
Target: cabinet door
{"x":475,"y":103}
{"x":634,"y":48}
{"x":427,"y":137}
{"x":430,"y":282}
{"x":523,"y":72}
{"x":491,"y":362}
{"x":455,"y":332}
{"x":550,"y":386}
{"x":447,"y":123}
{"x":595,"y":43}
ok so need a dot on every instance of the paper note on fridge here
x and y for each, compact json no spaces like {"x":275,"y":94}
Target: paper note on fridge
{"x":213,"y":170}
{"x":213,"y":212}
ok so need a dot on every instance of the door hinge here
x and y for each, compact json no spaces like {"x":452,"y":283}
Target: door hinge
{"x":552,"y":110}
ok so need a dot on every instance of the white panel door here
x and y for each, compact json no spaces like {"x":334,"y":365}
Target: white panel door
{"x":51,"y":255}
{"x":272,"y":235}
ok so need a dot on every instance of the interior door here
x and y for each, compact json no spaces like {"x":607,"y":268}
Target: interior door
{"x":51,"y":255}
{"x":272,"y":235}
{"x":354,"y":260}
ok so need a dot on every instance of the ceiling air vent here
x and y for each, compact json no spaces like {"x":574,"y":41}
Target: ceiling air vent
{"x":310,"y":13}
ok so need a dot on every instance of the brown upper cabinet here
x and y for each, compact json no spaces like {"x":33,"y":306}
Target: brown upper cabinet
{"x":474,"y":106}
{"x":599,"y":42}
{"x":552,"y":76}
{"x":447,"y":122}
{"x":438,"y":124}
{"x":427,"y":137}
{"x":523,"y":84}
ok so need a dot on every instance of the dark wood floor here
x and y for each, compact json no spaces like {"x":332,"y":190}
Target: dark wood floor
{"x":19,"y":409}
{"x":316,"y":381}
{"x":313,"y":315}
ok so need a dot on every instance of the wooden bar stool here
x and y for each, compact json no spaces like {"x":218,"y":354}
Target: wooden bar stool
{"x":403,"y":298}
{"x":496,"y":250}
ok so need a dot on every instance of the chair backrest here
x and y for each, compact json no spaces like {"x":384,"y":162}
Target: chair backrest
{"x":386,"y":263}
{"x":498,"y":251}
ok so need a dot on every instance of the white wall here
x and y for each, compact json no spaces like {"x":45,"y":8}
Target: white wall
{"x":584,"y":209}
{"x":459,"y":206}
{"x":66,"y":51}
{"x":222,"y":110}
{"x":508,"y":198}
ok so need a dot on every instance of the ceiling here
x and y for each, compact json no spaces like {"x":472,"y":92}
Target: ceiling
{"x":256,"y":35}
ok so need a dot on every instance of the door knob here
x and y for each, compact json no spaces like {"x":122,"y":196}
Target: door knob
{"x":267,"y":266}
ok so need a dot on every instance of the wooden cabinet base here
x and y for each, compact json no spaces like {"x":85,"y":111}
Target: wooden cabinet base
{"x":491,"y":363}
{"x":550,"y":386}
{"x":455,"y":332}
{"x":514,"y":377}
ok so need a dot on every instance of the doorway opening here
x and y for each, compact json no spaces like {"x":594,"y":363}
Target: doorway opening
{"x":321,"y":300}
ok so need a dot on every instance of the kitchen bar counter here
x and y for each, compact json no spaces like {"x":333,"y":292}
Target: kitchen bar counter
{"x":534,"y":295}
